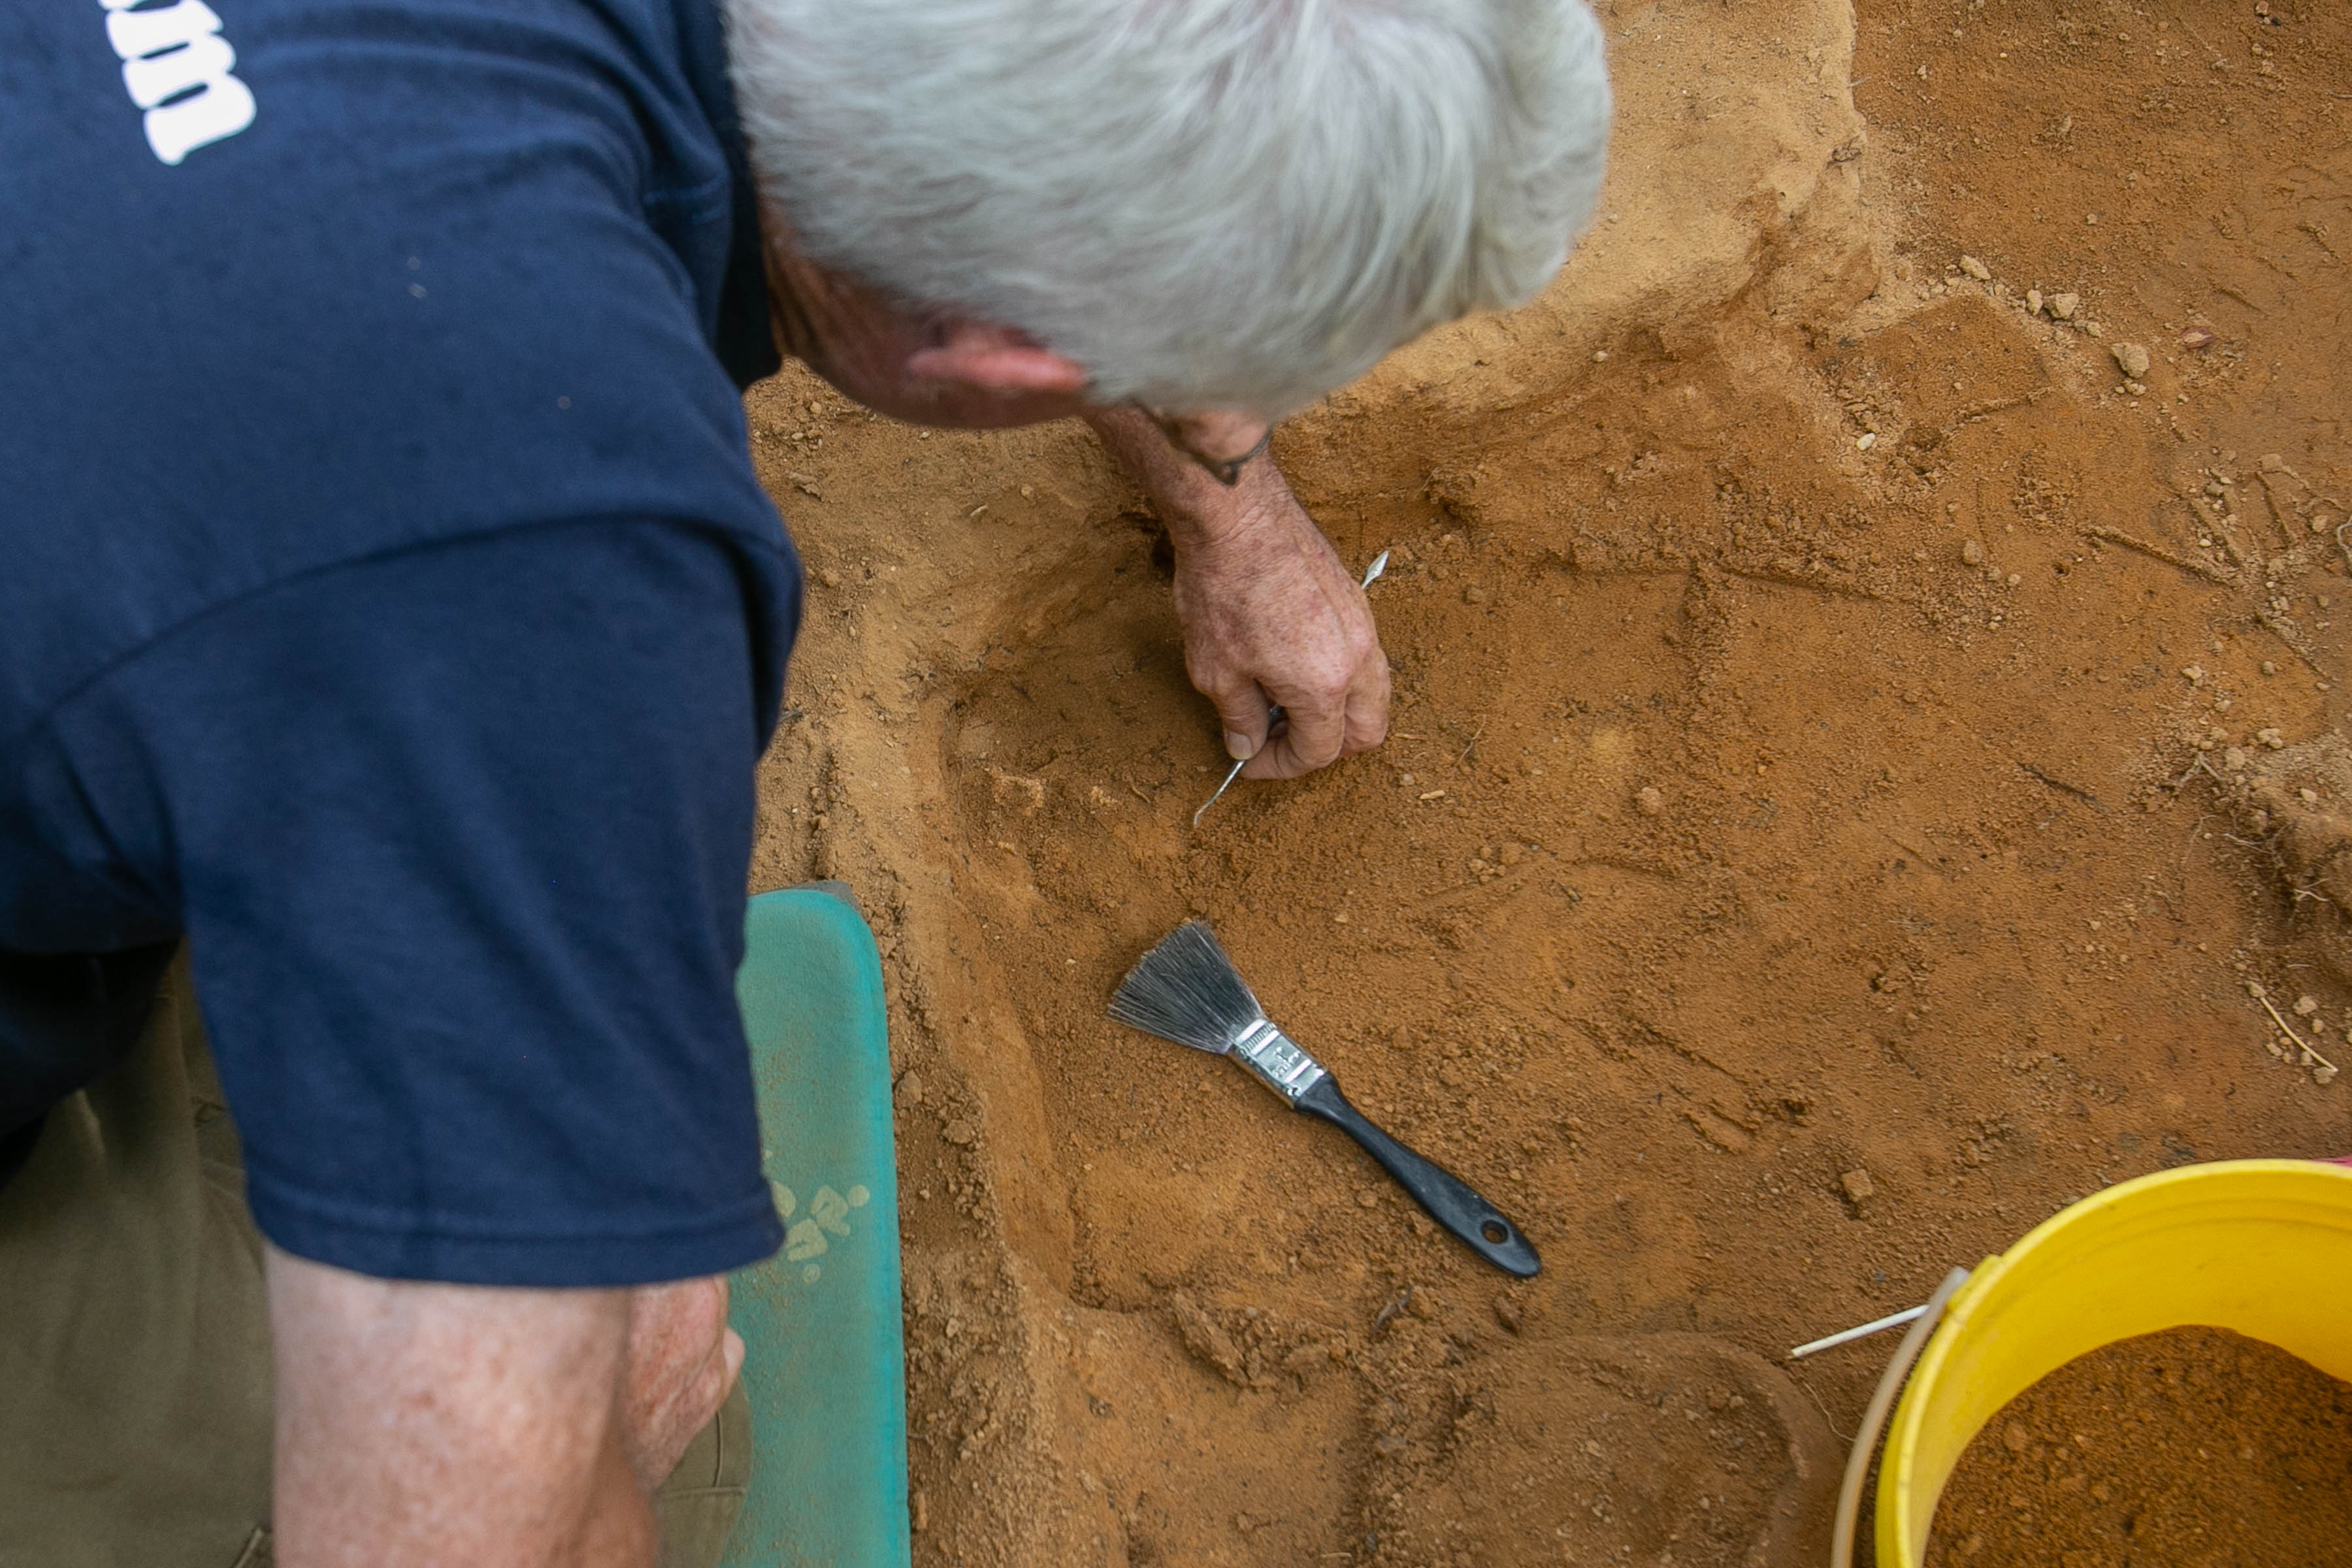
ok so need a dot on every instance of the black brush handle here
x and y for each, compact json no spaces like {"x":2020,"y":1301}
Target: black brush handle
{"x":1449,"y":1199}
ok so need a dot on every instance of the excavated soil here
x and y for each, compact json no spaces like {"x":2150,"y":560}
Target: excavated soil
{"x":2189,"y":1448}
{"x":1865,"y":771}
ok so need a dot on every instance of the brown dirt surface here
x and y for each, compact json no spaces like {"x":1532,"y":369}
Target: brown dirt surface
{"x":1845,"y":800}
{"x":1658,"y":1448}
{"x":2185,"y":1448}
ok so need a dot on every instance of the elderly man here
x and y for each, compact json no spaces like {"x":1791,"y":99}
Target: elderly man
{"x":390,"y":622}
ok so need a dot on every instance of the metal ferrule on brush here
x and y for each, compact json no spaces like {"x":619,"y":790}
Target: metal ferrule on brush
{"x":1276,"y":1060}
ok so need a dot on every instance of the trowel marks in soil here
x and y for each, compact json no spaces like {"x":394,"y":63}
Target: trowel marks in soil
{"x":2191,"y":1446}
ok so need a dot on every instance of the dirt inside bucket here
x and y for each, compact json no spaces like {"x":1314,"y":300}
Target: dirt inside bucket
{"x":2188,"y":1448}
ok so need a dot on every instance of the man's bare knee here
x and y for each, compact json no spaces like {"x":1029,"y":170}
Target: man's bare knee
{"x":683,"y":1359}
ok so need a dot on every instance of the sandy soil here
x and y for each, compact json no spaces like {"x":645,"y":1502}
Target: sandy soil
{"x":1849,"y":783}
{"x":2191,"y":1446}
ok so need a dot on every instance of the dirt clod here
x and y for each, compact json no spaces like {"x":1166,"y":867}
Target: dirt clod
{"x":1208,"y":1342}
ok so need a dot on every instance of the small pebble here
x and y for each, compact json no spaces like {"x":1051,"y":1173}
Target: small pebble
{"x":2310,"y":796}
{"x":2305,"y":1006}
{"x":1859,"y":1187}
{"x":2192,"y":674}
{"x":2132,"y":359}
{"x":1652,"y":804}
{"x":2197,"y":337}
{"x":2269,"y":669}
{"x":2014,"y":1437}
{"x":2063,"y":306}
{"x":2033,"y":302}
{"x":2275,"y":739}
{"x":2233,"y":759}
{"x":1866,"y":440}
{"x":2014,"y":579}
{"x":1972,"y":553}
{"x":1976,"y":269}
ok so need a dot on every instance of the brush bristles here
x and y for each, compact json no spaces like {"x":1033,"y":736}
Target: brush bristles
{"x":1187,"y":990}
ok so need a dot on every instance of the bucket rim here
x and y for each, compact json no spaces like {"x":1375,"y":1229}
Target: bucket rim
{"x":2158,"y":1192}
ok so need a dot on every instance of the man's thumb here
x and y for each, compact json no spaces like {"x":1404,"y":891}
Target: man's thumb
{"x":1247,"y":718}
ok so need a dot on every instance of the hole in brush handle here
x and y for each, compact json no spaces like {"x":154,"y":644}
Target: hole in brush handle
{"x":1448,"y":1198}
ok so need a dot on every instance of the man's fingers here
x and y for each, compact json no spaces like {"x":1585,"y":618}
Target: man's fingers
{"x":1367,"y":709}
{"x":1315,"y":730}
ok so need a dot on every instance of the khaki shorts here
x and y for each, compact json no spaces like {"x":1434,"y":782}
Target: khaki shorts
{"x":135,"y":1415}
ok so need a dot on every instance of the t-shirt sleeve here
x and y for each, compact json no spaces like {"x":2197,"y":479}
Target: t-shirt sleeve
{"x":461,"y":839}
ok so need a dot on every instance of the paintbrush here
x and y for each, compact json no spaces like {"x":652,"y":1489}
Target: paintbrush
{"x":1187,"y":990}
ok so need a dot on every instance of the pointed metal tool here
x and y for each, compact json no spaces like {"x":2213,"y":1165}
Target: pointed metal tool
{"x":1273,"y":715}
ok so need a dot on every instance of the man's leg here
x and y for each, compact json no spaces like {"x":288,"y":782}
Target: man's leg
{"x":134,"y":1340}
{"x":135,"y":1389}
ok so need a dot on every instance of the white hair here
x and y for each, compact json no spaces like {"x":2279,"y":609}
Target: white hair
{"x":1209,"y":203}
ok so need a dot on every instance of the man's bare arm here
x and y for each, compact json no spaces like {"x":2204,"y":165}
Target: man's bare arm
{"x":1271,"y":614}
{"x":456,"y":1424}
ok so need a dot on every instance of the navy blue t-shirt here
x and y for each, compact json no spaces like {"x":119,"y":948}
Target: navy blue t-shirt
{"x":387,"y":605}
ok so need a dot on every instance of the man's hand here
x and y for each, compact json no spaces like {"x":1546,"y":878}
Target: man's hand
{"x":1271,"y":614}
{"x":443,"y":1424}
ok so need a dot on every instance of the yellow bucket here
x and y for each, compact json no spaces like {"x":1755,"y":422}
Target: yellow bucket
{"x":2260,"y":1246}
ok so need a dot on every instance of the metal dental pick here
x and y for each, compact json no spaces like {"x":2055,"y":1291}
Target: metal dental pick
{"x":1274,"y":714}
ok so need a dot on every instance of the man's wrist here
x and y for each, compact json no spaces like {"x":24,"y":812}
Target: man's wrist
{"x":1199,"y":513}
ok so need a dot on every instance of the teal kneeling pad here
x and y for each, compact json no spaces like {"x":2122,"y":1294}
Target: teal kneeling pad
{"x":824,"y":1363}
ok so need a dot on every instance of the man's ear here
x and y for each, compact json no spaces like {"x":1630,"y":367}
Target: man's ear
{"x":996,"y":359}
